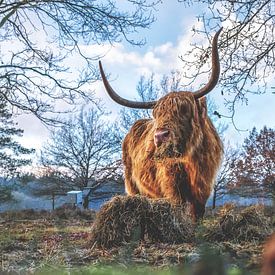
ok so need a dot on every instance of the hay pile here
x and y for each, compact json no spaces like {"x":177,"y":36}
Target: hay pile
{"x":249,"y":224}
{"x":132,"y":218}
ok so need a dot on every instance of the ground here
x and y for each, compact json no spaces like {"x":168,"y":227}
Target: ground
{"x":43,"y":242}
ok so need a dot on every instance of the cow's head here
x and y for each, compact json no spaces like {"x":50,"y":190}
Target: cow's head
{"x":177,"y":115}
{"x":176,"y":124}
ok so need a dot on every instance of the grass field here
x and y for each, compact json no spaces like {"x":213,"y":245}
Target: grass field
{"x":58,"y":243}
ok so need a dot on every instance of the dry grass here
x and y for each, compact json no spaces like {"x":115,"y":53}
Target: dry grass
{"x":231,"y":224}
{"x":57,"y":214}
{"x":128,"y":218}
{"x":29,"y":242}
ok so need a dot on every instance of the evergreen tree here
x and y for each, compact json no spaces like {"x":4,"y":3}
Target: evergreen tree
{"x":11,"y":152}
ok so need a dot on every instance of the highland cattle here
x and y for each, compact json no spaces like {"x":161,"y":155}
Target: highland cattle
{"x":175,"y":154}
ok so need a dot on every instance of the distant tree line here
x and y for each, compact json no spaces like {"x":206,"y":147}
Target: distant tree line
{"x":254,"y":170}
{"x":249,"y":171}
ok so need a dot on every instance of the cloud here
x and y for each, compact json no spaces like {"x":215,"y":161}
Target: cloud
{"x":35,"y":133}
{"x":126,"y":65}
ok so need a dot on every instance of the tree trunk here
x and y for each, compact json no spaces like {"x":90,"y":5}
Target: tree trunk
{"x":53,"y":198}
{"x":86,"y":202}
{"x":214,"y":199}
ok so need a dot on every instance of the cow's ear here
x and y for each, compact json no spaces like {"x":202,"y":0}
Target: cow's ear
{"x":202,"y":106}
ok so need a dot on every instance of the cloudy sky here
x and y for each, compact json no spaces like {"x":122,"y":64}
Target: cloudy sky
{"x":167,"y":39}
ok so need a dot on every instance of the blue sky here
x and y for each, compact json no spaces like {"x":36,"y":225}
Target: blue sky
{"x":167,"y":38}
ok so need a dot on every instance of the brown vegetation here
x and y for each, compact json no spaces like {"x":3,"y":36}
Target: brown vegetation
{"x":133,"y":218}
{"x":235,"y":225}
{"x":30,"y":240}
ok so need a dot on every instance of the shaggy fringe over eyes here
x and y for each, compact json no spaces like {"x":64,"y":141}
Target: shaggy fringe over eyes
{"x":178,"y":106}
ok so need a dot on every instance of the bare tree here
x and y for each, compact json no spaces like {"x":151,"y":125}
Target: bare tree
{"x":247,"y":46}
{"x":51,"y":181}
{"x":225,"y":177}
{"x":171,"y":82}
{"x":83,"y":150}
{"x":147,"y":90}
{"x":39,"y":37}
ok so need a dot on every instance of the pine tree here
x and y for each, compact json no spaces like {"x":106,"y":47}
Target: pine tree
{"x":11,"y":152}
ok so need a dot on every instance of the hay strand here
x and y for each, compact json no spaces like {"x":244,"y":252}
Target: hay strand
{"x":234,"y":225}
{"x":133,"y":218}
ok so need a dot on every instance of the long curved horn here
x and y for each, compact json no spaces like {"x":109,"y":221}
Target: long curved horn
{"x":215,"y":69}
{"x":119,"y":99}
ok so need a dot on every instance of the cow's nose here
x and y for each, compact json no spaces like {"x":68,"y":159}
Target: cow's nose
{"x":161,"y":135}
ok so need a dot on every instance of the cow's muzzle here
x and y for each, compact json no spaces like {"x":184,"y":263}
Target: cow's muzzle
{"x":161,"y":136}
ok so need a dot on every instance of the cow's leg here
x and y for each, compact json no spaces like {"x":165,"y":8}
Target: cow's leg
{"x":198,"y":210}
{"x":174,"y":184}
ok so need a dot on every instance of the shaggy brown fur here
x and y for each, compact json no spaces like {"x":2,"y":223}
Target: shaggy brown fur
{"x":183,"y":168}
